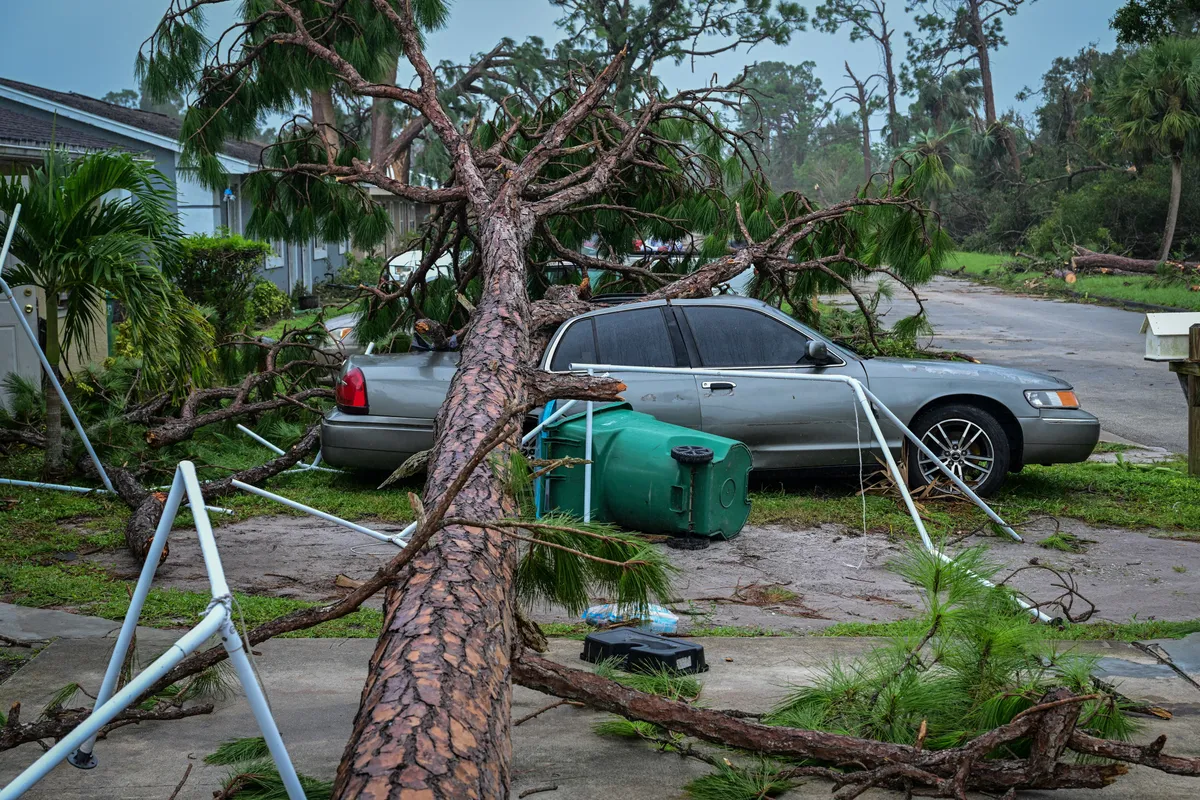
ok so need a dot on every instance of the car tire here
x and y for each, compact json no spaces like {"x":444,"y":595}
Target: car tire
{"x":982,"y":464}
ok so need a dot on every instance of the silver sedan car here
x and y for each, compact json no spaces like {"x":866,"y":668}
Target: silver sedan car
{"x":984,"y":421}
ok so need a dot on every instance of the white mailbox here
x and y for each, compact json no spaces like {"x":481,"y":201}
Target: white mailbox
{"x":1167,"y":335}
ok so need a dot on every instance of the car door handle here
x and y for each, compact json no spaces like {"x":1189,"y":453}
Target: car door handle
{"x":718,"y":385}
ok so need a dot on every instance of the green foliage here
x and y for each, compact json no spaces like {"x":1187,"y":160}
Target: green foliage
{"x":660,"y":681}
{"x":220,"y":272}
{"x":1155,"y":100}
{"x":787,"y":104}
{"x":640,"y":575}
{"x":101,"y":225}
{"x":1144,"y":21}
{"x":260,"y":780}
{"x":267,"y":301}
{"x":236,"y":751}
{"x":26,"y":403}
{"x":760,"y":780}
{"x":979,"y":662}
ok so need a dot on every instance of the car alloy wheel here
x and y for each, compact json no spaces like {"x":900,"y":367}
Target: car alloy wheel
{"x":964,"y":447}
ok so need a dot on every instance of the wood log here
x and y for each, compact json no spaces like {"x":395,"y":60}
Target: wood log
{"x":1050,"y":734}
{"x":1091,"y":261}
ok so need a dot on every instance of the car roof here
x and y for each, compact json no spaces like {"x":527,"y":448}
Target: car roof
{"x":721,"y":299}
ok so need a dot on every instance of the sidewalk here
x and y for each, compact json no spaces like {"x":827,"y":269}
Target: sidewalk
{"x":314,"y":686}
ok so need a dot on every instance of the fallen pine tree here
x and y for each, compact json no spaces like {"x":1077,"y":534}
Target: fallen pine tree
{"x":536,"y":181}
{"x":1090,"y":261}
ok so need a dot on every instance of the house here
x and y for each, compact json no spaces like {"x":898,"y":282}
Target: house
{"x":32,"y":117}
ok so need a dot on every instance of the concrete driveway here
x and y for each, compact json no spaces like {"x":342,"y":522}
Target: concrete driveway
{"x":1097,"y":348}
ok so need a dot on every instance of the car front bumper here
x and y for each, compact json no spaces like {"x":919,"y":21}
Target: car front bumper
{"x":363,"y":441}
{"x":1059,"y":436}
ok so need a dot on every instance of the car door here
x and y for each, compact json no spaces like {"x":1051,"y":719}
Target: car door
{"x":636,"y":337}
{"x":786,"y":423}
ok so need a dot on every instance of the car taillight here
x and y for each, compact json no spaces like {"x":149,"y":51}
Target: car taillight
{"x":351,"y":392}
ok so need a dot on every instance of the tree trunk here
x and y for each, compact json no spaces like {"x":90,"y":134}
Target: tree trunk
{"x":892,"y":87}
{"x":865,"y":114}
{"x":1173,"y":210}
{"x":977,"y":38}
{"x":324,"y":119}
{"x":54,"y":467}
{"x":381,"y":119}
{"x":1085,"y":260}
{"x":433,"y":721}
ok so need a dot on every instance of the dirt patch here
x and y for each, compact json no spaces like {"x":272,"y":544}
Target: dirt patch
{"x":770,"y":577}
{"x":297,"y":557}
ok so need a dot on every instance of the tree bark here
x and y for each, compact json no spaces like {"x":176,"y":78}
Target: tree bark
{"x":1050,"y":733}
{"x":1085,"y":259}
{"x":381,"y":120}
{"x":324,"y":119}
{"x":433,"y":721}
{"x":1173,"y":210}
{"x":54,"y":467}
{"x":979,"y":40}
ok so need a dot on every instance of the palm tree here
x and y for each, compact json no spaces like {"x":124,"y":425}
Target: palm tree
{"x":935,"y":164}
{"x":96,"y":226}
{"x":952,"y":99}
{"x":1155,"y":106}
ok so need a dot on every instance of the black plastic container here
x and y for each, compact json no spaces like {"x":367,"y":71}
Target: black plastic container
{"x":642,"y":652}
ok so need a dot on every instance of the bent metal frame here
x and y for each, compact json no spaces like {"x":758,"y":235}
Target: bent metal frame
{"x":76,"y":747}
{"x":869,"y":403}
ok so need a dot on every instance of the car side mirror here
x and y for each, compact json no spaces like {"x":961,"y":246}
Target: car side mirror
{"x":817,"y":352}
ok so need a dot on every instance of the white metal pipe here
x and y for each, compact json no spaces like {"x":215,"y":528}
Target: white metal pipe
{"x":262,"y":711}
{"x":845,"y":379}
{"x":104,"y":714}
{"x":49,"y":371}
{"x":860,"y":394}
{"x":264,"y":442}
{"x":370,"y":349}
{"x":83,"y":756}
{"x":62,"y":487}
{"x":949,"y":473}
{"x":398,"y":539}
{"x":208,"y":544}
{"x":554,"y":417}
{"x":587,"y":463}
{"x":279,"y":451}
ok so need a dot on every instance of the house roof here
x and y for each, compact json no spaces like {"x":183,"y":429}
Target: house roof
{"x":148,"y":121}
{"x":22,"y":130}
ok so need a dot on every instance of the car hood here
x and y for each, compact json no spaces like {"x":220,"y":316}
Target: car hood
{"x":936,"y":369}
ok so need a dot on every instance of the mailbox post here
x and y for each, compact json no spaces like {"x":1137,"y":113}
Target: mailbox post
{"x":1190,"y":371}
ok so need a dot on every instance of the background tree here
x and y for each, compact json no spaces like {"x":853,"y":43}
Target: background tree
{"x":952,"y":99}
{"x":1144,"y":21}
{"x":954,"y":33}
{"x":861,"y":94}
{"x":1155,"y":107}
{"x":786,"y":108}
{"x":80,"y":241}
{"x":868,"y":20}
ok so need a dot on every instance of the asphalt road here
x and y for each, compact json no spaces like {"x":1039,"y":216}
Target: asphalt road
{"x":1099,"y":350}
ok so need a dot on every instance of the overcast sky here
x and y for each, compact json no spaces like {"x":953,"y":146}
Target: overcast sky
{"x":88,"y":46}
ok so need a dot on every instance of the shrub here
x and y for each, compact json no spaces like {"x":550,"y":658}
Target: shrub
{"x":220,"y":272}
{"x":267,"y":301}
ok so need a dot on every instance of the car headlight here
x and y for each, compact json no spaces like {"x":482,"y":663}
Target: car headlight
{"x":1044,"y":399}
{"x":339,"y":334}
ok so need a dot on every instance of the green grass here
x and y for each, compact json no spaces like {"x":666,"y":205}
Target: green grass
{"x":302,"y":320}
{"x":1133,"y":631}
{"x":989,"y":268}
{"x":1131,"y":496}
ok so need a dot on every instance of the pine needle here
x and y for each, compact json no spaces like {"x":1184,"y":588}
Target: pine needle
{"x":732,"y":782}
{"x":237,"y":751}
{"x":260,"y":781}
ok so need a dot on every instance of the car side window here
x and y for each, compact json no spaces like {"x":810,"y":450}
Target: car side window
{"x":634,"y":338}
{"x":740,"y":337}
{"x":577,"y":346}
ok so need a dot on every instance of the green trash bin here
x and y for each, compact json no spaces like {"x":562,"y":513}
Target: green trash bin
{"x":649,"y":476}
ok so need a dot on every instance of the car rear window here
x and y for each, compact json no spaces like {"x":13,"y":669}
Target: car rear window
{"x":740,"y":337}
{"x":577,"y":346}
